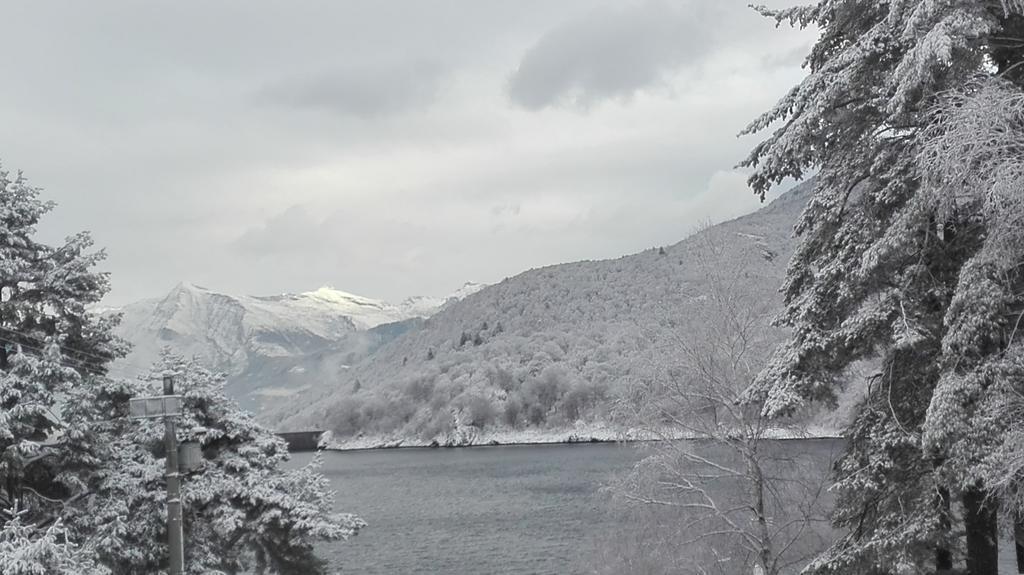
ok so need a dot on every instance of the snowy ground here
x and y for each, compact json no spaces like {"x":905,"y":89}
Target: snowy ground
{"x":581,"y":433}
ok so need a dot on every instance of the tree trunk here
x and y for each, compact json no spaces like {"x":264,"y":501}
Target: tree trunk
{"x":943,"y":557}
{"x":1018,"y":537}
{"x":765,"y":555}
{"x":980,"y":522}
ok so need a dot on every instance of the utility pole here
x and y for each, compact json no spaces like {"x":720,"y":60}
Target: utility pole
{"x":175,"y":537}
{"x":168,"y":407}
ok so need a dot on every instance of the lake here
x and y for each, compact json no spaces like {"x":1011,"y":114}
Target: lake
{"x":509,"y":509}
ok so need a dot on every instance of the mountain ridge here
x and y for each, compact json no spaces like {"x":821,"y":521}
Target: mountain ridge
{"x":551,"y":346}
{"x":275,"y":342}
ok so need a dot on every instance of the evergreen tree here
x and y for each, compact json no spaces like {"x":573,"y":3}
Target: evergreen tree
{"x":908,"y":257}
{"x":243,"y":511}
{"x":50,"y":346}
{"x":27,"y":550}
{"x":82,"y":485}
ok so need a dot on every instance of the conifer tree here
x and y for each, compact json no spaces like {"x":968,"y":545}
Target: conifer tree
{"x":908,"y":258}
{"x":243,"y":510}
{"x":49,"y":346}
{"x":26,"y":550}
{"x":81,"y":484}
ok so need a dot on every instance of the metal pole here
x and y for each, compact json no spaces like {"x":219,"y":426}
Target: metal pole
{"x":175,"y":538}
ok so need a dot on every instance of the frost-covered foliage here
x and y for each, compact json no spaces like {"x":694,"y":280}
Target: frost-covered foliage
{"x":742,"y":506}
{"x":243,"y":510}
{"x":972,"y":159}
{"x":49,"y":347}
{"x":910,"y":253}
{"x":688,"y":509}
{"x":546,"y":349}
{"x":34,"y":550}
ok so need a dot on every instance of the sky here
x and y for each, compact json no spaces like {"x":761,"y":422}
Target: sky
{"x":386,"y":148}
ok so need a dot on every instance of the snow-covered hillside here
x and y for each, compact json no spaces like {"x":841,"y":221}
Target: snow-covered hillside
{"x":269,"y":346}
{"x":550,"y":347}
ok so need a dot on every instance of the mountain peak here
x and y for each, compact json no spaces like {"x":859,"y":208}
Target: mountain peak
{"x":183,"y":295}
{"x":467,"y":289}
{"x":332,"y":295}
{"x":186,"y":289}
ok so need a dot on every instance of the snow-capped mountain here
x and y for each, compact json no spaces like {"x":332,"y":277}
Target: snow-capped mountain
{"x":268,"y":345}
{"x":367,"y":313}
{"x":551,"y":346}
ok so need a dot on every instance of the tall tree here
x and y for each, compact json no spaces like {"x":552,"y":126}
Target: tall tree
{"x":735,"y":493}
{"x":49,"y":344}
{"x":81,"y":485}
{"x":905,"y":258}
{"x":244,"y":511}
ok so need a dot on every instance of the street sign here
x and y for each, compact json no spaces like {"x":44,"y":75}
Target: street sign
{"x":155,"y":406}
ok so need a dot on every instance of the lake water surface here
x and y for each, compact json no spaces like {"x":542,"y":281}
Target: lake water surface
{"x":483,"y":510}
{"x":509,"y":509}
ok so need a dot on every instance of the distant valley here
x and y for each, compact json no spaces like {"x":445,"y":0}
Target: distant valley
{"x":270,"y":347}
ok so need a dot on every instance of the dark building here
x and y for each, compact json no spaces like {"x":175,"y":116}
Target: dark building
{"x":302,"y":440}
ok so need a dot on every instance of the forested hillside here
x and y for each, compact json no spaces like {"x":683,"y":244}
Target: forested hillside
{"x":551,"y":347}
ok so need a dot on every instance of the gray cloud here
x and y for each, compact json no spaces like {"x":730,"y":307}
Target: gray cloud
{"x":280,"y":146}
{"x":291,"y":231}
{"x":612,"y":53}
{"x":365,"y":91}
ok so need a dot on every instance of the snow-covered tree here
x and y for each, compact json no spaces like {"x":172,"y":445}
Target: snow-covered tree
{"x":909,"y":255}
{"x":49,"y":345}
{"x":26,"y":549}
{"x":81,"y":484}
{"x":243,"y":509}
{"x":743,"y":504}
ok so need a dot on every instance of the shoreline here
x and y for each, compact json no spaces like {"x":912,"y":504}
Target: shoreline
{"x":533,"y":438}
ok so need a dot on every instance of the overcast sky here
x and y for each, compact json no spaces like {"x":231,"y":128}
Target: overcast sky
{"x":385,"y":148}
